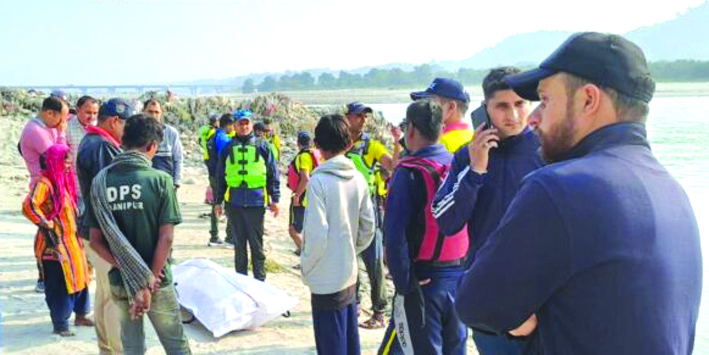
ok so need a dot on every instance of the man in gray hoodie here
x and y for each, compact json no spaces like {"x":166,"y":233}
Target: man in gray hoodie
{"x":339,"y":224}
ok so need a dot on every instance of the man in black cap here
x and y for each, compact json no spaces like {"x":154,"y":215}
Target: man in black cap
{"x":600,"y":249}
{"x":454,"y":100}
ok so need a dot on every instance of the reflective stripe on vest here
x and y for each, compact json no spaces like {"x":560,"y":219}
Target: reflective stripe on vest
{"x":245,"y":165}
{"x":436,"y":247}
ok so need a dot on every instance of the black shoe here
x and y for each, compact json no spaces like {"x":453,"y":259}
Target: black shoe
{"x":215,"y":243}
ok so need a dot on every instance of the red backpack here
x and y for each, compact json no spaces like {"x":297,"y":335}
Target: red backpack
{"x":294,"y":174}
{"x":436,"y":247}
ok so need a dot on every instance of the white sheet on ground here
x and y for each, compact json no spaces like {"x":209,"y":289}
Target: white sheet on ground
{"x":224,"y":301}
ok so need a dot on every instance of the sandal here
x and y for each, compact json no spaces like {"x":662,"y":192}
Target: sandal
{"x":83,"y":322}
{"x":64,"y":333}
{"x":374,"y":322}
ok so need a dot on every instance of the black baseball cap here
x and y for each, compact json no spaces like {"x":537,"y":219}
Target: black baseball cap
{"x":356,"y":107}
{"x":605,"y":59}
{"x":448,"y":88}
{"x":115,"y":107}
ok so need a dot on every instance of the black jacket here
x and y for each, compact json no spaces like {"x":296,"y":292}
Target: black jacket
{"x":95,"y":153}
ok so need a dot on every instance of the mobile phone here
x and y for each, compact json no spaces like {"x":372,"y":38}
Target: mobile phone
{"x":480,"y":116}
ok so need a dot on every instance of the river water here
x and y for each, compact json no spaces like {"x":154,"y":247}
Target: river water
{"x":678,"y":128}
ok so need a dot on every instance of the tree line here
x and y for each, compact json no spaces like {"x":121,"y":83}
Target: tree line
{"x":422,"y":75}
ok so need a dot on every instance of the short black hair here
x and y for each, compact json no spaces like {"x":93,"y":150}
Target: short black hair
{"x":627,"y":108}
{"x":332,"y":134}
{"x":304,"y":139}
{"x":226,"y":120}
{"x":53,"y":103}
{"x":267,"y":121}
{"x":259,"y":126}
{"x":141,"y":130}
{"x":427,"y":117}
{"x":493,"y":80}
{"x":84,"y":100}
{"x":460,"y":104}
{"x":149,"y":102}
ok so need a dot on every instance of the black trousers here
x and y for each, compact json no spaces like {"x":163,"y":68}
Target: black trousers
{"x":373,"y":258}
{"x":247,"y":228}
{"x":214,"y":220}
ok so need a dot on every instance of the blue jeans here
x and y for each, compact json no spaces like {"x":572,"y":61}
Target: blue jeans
{"x":337,"y":331}
{"x":491,"y":344}
{"x":432,"y":329}
{"x":164,"y":314}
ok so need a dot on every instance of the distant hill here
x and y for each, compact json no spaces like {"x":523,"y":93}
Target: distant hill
{"x":685,"y":37}
{"x":682,"y":38}
{"x":520,"y":50}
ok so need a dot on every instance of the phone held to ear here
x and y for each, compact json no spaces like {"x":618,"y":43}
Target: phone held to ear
{"x":480,"y":116}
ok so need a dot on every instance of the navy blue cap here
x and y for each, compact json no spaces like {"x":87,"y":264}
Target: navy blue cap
{"x":356,"y":107}
{"x":607,"y":60}
{"x":116,"y":107}
{"x":448,"y":88}
{"x":304,"y":138}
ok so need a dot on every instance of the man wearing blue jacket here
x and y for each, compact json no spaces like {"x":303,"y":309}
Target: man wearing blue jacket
{"x":599,"y":251}
{"x":485,"y":176}
{"x":248,"y":174}
{"x":424,"y":264}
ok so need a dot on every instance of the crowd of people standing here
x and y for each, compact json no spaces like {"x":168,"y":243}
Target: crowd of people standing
{"x":551,"y":230}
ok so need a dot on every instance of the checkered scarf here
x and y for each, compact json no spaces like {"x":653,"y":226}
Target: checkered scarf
{"x":135,"y":272}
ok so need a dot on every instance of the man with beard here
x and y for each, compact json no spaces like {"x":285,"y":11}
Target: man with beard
{"x":600,"y":249}
{"x":484,"y":177}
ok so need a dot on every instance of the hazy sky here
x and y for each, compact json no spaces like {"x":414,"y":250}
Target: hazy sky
{"x":48,"y":42}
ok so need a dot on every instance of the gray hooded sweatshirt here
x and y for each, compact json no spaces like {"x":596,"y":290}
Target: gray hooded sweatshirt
{"x":338,"y":225}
